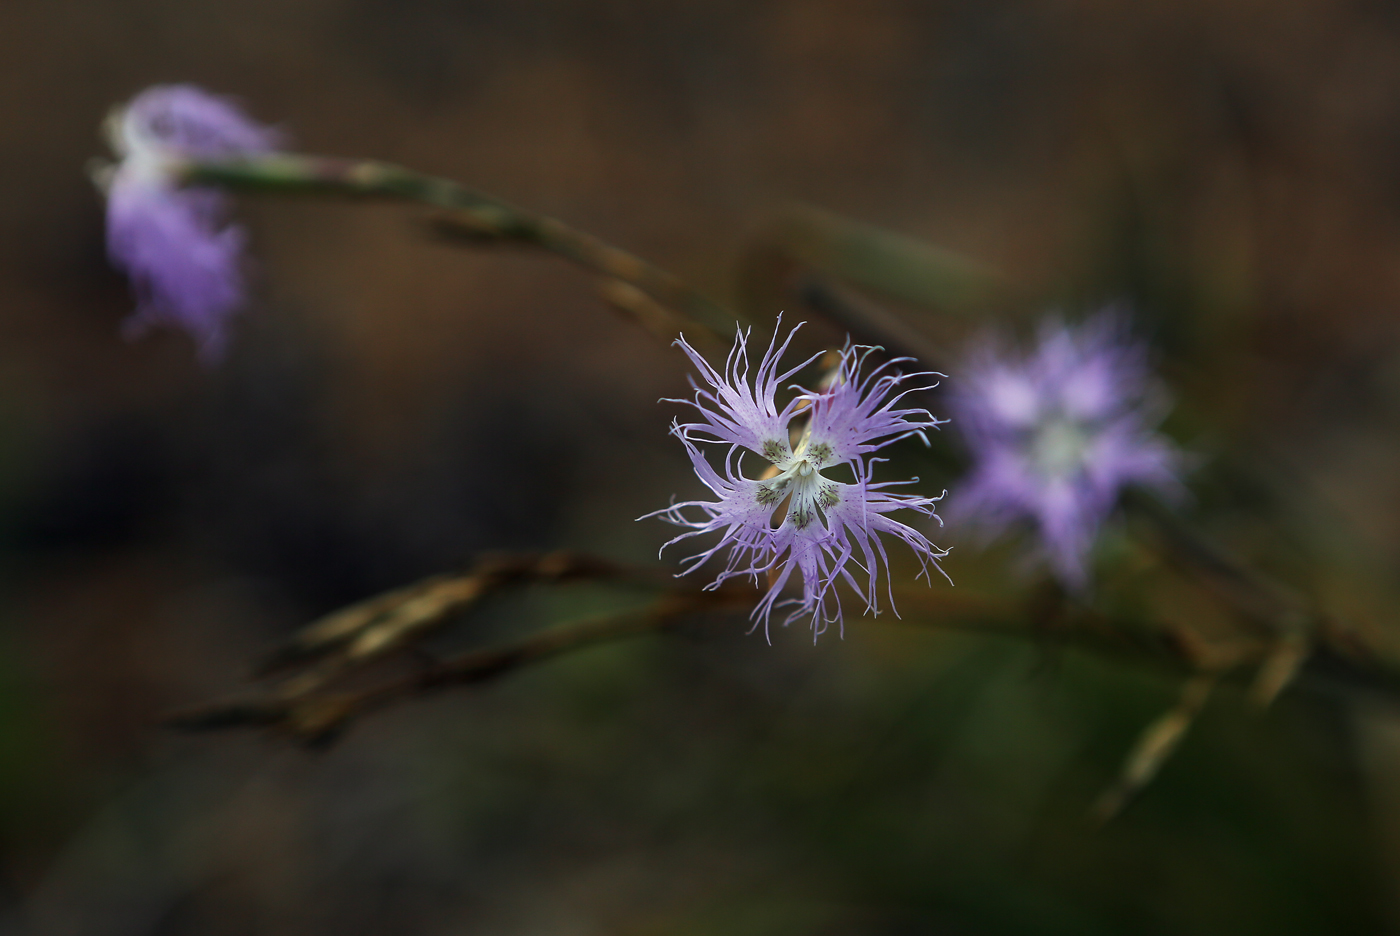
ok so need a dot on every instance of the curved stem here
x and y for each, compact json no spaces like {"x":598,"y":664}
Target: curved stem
{"x":470,"y":215}
{"x":318,"y":717}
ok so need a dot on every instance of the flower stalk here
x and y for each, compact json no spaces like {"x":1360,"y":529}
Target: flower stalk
{"x":468,"y":214}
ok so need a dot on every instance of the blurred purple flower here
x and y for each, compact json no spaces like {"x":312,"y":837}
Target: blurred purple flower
{"x":1057,"y":435}
{"x":184,"y":260}
{"x":828,"y":524}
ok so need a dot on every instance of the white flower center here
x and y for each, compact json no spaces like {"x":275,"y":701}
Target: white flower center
{"x":1058,"y":446}
{"x":799,"y":482}
{"x":144,"y":158}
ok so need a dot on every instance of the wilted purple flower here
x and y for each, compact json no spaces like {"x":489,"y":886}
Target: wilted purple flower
{"x":184,"y":260}
{"x":1056,"y":436}
{"x":822,"y":525}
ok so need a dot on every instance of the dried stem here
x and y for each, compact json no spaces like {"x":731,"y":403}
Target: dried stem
{"x":306,"y":706}
{"x":350,"y":640}
{"x":468,"y":215}
{"x":1332,"y":656}
{"x":1291,"y":624}
{"x":363,"y":633}
{"x":1155,"y":745}
{"x":314,"y":716}
{"x":1259,"y":599}
{"x":656,"y":319}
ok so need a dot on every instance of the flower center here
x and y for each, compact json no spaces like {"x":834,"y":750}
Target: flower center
{"x":801,"y":486}
{"x":1058,"y":446}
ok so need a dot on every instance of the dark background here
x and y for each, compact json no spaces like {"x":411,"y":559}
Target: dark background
{"x":393,"y":405}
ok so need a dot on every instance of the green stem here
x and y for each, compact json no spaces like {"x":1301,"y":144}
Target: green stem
{"x":903,"y":268}
{"x":470,"y":214}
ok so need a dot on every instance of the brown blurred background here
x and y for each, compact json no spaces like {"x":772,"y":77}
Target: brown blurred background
{"x":393,"y":405}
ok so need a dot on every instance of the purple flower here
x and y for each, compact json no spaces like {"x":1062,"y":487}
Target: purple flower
{"x":184,"y":260}
{"x":795,"y":517}
{"x":1056,"y":436}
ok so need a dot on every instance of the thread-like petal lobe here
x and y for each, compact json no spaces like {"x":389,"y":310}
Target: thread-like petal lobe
{"x":795,"y":524}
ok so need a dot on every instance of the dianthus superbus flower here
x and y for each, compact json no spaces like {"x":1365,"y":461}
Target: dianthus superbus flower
{"x":796,"y":517}
{"x":1056,"y":435}
{"x":184,"y":259}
